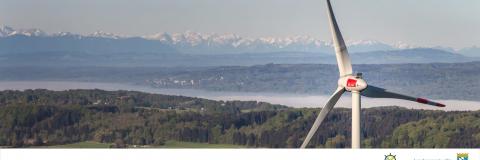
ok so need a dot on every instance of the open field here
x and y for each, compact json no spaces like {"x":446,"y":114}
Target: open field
{"x":168,"y":144}
{"x":86,"y":144}
{"x":178,"y":144}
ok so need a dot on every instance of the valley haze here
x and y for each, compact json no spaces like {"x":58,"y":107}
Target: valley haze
{"x":288,"y":99}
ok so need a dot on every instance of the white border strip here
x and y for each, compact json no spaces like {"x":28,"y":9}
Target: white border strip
{"x":234,"y":154}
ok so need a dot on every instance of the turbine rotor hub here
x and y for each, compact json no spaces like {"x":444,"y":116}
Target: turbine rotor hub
{"x":353,"y":82}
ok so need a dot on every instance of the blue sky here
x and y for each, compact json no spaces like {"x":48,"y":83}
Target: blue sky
{"x":453,"y":23}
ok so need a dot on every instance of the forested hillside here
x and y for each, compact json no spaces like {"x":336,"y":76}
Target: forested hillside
{"x":41,"y":118}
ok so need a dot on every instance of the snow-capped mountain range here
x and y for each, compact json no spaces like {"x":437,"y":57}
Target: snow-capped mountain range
{"x":195,"y":42}
{"x":6,"y":31}
{"x":211,"y":43}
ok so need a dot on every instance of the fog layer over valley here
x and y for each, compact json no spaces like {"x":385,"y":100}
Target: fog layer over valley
{"x":292,"y":100}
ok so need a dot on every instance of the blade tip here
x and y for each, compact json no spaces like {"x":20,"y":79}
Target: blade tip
{"x":440,"y":105}
{"x":426,"y":101}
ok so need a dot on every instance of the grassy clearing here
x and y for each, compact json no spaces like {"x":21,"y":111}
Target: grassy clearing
{"x":86,"y":144}
{"x":178,"y":144}
{"x":168,"y":144}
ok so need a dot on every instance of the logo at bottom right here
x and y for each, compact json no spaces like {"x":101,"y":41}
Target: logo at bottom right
{"x":462,"y":156}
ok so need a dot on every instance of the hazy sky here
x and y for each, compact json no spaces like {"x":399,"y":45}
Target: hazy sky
{"x":453,"y":23}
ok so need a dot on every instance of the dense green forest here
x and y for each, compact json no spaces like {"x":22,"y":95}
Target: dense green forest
{"x":123,"y":118}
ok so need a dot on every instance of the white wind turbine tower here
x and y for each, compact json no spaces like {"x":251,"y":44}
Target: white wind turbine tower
{"x":352,"y":83}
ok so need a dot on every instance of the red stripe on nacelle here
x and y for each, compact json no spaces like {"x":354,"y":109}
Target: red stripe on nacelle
{"x":421,"y":100}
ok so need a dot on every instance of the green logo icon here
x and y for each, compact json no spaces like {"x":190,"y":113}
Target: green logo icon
{"x":462,"y":156}
{"x":390,"y":157}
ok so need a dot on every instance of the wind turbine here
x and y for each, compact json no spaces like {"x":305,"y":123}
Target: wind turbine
{"x":353,"y":83}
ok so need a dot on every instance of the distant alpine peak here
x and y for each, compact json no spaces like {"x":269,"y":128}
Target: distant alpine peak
{"x":363,"y":42}
{"x":6,"y":31}
{"x":102,"y":34}
{"x":63,"y":34}
{"x":403,"y":45}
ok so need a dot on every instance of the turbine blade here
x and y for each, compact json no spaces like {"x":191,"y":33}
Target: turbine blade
{"x":341,"y":52}
{"x":377,"y":92}
{"x":326,"y":109}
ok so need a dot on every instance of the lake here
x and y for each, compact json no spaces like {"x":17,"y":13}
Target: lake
{"x":293,"y":100}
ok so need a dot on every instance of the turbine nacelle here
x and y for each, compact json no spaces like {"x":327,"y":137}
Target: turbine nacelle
{"x":353,"y":83}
